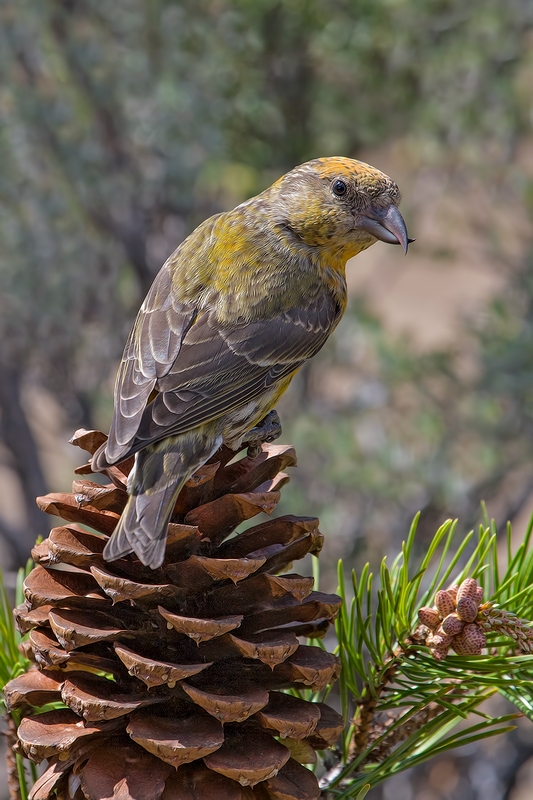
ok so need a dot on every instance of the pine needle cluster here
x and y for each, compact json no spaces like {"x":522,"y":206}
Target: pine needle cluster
{"x":409,"y":696}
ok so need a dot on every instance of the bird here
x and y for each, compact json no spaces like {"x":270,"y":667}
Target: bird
{"x":246,"y":299}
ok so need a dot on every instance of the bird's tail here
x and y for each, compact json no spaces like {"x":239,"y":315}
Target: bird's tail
{"x":142,"y":528}
{"x":155,"y":482}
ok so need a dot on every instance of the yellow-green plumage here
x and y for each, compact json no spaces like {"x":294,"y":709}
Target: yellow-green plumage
{"x":243,"y":302}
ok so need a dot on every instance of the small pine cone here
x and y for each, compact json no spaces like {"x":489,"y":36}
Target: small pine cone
{"x":468,"y":599}
{"x":420,"y":633}
{"x":429,"y":617}
{"x":452,"y":624}
{"x":198,"y":650}
{"x":439,"y":639}
{"x":467,"y":609}
{"x":439,"y":653}
{"x":444,"y":603}
{"x":452,"y":590}
{"x":470,"y":641}
{"x":460,"y":647}
{"x":468,"y":588}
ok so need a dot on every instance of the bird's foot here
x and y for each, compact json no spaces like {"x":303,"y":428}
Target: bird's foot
{"x":267,"y":430}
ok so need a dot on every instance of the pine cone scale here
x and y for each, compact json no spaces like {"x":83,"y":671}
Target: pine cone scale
{"x":228,"y":707}
{"x":146,"y":594}
{"x":269,"y":647}
{"x":293,"y":782}
{"x":54,"y":733}
{"x":156,"y":673}
{"x":57,"y":588}
{"x":288,"y":716}
{"x":67,"y":507}
{"x":147,"y":775}
{"x":220,"y":517}
{"x":177,"y":740}
{"x":96,"y":699}
{"x":248,"y":756}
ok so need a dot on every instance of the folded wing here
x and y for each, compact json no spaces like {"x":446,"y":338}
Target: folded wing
{"x":181,"y":368}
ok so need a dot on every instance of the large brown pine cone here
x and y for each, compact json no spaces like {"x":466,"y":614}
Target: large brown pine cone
{"x":172,"y":678}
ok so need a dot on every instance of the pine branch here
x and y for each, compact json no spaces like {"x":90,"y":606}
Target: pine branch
{"x":414,"y":671}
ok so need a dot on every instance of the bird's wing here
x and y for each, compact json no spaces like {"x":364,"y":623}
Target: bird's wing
{"x":151,"y":350}
{"x":215,"y":368}
{"x":220,"y":368}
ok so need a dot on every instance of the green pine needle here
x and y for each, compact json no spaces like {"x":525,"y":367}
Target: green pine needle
{"x":409,"y":706}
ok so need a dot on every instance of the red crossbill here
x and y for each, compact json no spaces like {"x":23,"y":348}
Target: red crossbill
{"x":235,"y":311}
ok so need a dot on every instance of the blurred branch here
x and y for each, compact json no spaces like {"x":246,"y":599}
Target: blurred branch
{"x":289,"y":77}
{"x":20,"y":441}
{"x":132,"y":235}
{"x":132,"y":232}
{"x":17,"y":540}
{"x":110,"y":130}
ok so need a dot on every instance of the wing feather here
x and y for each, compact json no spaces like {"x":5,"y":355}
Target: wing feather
{"x":152,"y":347}
{"x":201,"y":369}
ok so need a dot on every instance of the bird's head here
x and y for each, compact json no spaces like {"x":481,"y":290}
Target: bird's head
{"x":340,"y":205}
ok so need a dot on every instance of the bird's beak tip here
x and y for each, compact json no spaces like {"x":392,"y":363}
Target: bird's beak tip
{"x":386,"y":225}
{"x":406,"y":246}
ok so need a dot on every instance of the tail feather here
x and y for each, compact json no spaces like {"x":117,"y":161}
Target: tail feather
{"x":99,"y":458}
{"x":142,"y":528}
{"x":154,"y":484}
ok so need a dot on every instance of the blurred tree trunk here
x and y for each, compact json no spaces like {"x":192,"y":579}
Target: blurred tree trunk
{"x":20,"y":442}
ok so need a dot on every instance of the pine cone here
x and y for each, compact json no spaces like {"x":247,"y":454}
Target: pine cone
{"x":172,"y":678}
{"x":453,"y":621}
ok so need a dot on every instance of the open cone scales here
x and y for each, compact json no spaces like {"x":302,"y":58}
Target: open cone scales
{"x":172,"y":678}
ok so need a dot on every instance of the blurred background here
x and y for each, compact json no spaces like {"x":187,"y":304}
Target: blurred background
{"x":125,"y":124}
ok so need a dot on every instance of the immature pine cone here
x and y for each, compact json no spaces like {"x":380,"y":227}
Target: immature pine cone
{"x":451,"y":622}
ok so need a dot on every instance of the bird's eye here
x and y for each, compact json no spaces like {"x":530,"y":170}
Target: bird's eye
{"x":339,"y":188}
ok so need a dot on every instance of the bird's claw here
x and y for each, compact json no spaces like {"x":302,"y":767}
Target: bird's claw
{"x":267,"y":430}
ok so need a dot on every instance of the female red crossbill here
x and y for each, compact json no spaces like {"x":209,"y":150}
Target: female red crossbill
{"x":235,"y":311}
